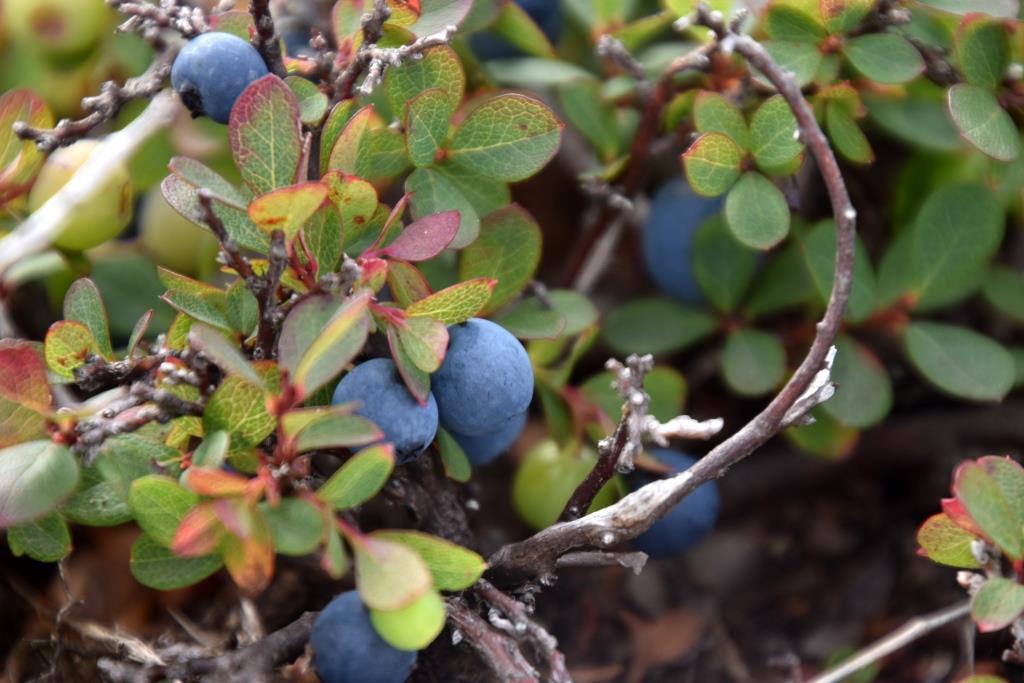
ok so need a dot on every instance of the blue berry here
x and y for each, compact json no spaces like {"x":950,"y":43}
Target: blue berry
{"x":483,"y":448}
{"x":486,"y":379}
{"x":686,"y":523}
{"x":347,"y":649}
{"x":676,"y":215}
{"x":386,"y":401}
{"x":212,"y":70}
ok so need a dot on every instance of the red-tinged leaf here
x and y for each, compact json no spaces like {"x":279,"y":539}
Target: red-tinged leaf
{"x":425,"y":238}
{"x":199,"y":533}
{"x":956,"y":511}
{"x":23,"y":375}
{"x":250,"y":561}
{"x":68,"y":346}
{"x":224,"y":354}
{"x":20,"y":160}
{"x":215,"y":482}
{"x":988,"y":507}
{"x":345,"y":154}
{"x":334,"y":561}
{"x":943,"y":541}
{"x":997,"y":604}
{"x":336,"y":345}
{"x":455,"y":304}
{"x":373,"y":274}
{"x":406,"y":283}
{"x":424,"y":340}
{"x":360,"y":478}
{"x":302,"y":326}
{"x":416,"y":381}
{"x":265,"y":135}
{"x":356,"y":201}
{"x":288,"y":208}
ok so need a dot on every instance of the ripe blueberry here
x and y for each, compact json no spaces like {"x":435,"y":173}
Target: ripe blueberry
{"x":486,"y":378}
{"x":212,"y":70}
{"x":483,"y":448}
{"x":676,"y":215}
{"x":386,"y":401}
{"x":347,"y":649}
{"x":686,"y":523}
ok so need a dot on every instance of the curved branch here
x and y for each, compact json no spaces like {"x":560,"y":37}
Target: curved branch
{"x":536,"y":556}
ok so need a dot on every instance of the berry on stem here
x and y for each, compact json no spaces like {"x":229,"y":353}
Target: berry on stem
{"x":212,"y":70}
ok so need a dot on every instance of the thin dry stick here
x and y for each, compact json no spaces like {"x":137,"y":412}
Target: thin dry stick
{"x":904,"y":635}
{"x":497,"y":649}
{"x":635,"y":513}
{"x":40,"y":229}
{"x":266,"y":39}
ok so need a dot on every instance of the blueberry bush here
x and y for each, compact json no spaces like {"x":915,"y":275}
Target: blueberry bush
{"x":397,"y":304}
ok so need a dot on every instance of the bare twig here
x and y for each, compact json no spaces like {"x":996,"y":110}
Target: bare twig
{"x":103,"y":107}
{"x":536,"y":557}
{"x":40,"y":229}
{"x":634,"y":561}
{"x":266,"y":39}
{"x":232,"y":253}
{"x":498,"y":650}
{"x":908,"y":633}
{"x":151,"y":20}
{"x":270,"y":319}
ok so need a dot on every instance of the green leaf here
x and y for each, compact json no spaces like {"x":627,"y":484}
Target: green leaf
{"x":1009,"y":477}
{"x":841,"y":16}
{"x":196,"y":299}
{"x":508,"y":137}
{"x":713,"y":113}
{"x":239,"y":408}
{"x":942,"y":541}
{"x":159,"y":504}
{"x":847,"y":137}
{"x":213,"y":450}
{"x":956,"y":233}
{"x":360,"y":478}
{"x":416,"y":626}
{"x":455,"y":304}
{"x":753,"y":362}
{"x":184,"y":198}
{"x":128,"y":457}
{"x":792,"y":24}
{"x":983,"y":122}
{"x":485,"y":198}
{"x":296,"y":525}
{"x":784,"y":283}
{"x":533,"y":73}
{"x":586,"y":109}
{"x":302,"y":326}
{"x":45,"y":540}
{"x":997,"y":604}
{"x":819,"y":251}
{"x":884,"y":57}
{"x":312,"y":103}
{"x":800,"y":59}
{"x":433,"y":192}
{"x":712,"y":164}
{"x":1004,"y":290}
{"x":155,"y":566}
{"x":656,"y":325}
{"x":440,"y":68}
{"x":426,"y":125}
{"x":83,"y":304}
{"x":424,"y":341}
{"x":69,"y":345}
{"x":382,"y":156}
{"x":96,"y":503}
{"x":243,"y":311}
{"x":983,"y":50}
{"x":756,"y":212}
{"x":34,"y":478}
{"x":773,"y":136}
{"x":416,"y":380}
{"x":924,"y":123}
{"x":959,"y":361}
{"x":390,"y":576}
{"x":337,"y":431}
{"x":988,"y":508}
{"x":265,"y":135}
{"x":20,"y":160}
{"x":334,"y":347}
{"x":722,"y":265}
{"x":456,"y":463}
{"x":864,"y":392}
{"x":453,"y":567}
{"x":507,"y":250}
{"x":518,"y":28}
{"x":223,"y":353}
{"x":332,"y":128}
{"x":825,"y":438}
